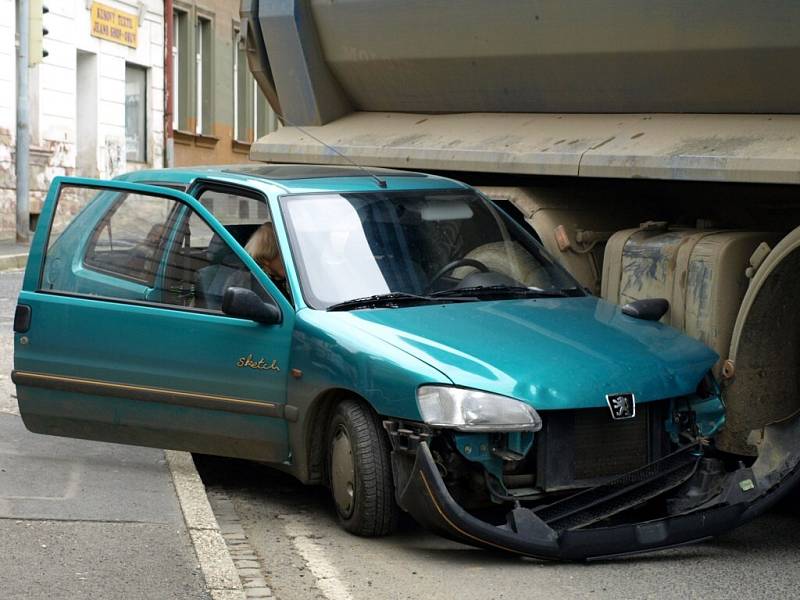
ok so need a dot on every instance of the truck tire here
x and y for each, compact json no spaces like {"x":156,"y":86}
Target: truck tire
{"x":359,"y":471}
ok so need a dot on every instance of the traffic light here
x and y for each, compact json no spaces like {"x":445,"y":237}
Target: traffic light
{"x":36,"y":51}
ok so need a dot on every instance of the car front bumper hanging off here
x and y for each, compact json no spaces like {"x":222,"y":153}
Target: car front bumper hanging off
{"x":422,"y":493}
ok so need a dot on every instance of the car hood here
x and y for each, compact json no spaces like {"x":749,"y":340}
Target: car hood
{"x":553,"y":353}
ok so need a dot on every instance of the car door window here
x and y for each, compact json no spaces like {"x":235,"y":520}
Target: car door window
{"x":142,"y":247}
{"x":128,"y":241}
{"x":106,"y":242}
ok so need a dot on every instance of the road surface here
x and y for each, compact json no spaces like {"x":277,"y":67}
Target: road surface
{"x":305,"y":554}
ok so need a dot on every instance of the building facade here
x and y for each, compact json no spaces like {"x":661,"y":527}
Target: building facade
{"x":217,"y":110}
{"x":96,"y":100}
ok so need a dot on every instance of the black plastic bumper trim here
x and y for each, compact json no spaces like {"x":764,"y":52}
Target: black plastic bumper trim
{"x":427,"y":499}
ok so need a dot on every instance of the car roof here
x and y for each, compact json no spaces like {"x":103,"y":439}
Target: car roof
{"x":297,"y":178}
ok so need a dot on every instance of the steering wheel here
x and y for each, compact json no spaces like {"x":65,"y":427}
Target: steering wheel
{"x":452,"y":266}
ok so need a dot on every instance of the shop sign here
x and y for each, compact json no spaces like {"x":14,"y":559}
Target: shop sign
{"x":114,"y":25}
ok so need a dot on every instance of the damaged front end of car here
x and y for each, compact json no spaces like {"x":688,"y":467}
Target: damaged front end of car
{"x":586,"y":483}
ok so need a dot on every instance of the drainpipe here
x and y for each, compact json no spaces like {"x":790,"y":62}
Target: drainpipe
{"x":169,"y":43}
{"x":23,"y":143}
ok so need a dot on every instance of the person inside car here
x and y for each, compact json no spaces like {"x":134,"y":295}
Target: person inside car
{"x":263,"y":247}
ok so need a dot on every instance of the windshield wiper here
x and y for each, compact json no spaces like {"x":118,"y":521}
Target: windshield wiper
{"x":392,"y":299}
{"x":396,"y":299}
{"x":502,"y":290}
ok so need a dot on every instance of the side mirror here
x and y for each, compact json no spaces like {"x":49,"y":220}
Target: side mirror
{"x":651,"y":309}
{"x":241,"y":302}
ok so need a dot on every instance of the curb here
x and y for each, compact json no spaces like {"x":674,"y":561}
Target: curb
{"x":250,"y":566}
{"x":222,"y":577}
{"x":13,"y":261}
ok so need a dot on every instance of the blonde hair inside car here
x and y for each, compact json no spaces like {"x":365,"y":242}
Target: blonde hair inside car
{"x":263,"y":247}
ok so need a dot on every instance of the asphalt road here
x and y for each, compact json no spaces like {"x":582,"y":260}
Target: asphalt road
{"x":294,"y":531}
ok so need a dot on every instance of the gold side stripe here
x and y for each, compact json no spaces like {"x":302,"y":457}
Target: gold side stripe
{"x":143,"y":388}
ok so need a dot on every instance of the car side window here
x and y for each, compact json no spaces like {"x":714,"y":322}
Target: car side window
{"x":106,"y":242}
{"x":234,"y":207}
{"x":244,"y":213}
{"x":133,"y":246}
{"x":128,"y":240}
{"x":200,"y":265}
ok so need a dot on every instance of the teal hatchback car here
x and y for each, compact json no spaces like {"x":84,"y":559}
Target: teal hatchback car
{"x":395,"y":336}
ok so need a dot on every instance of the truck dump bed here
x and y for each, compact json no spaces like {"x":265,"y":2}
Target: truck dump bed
{"x":677,"y":90}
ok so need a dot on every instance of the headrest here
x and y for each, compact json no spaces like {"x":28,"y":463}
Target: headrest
{"x":218,"y":251}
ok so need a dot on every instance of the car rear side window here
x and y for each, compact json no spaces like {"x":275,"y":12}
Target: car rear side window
{"x":234,"y":207}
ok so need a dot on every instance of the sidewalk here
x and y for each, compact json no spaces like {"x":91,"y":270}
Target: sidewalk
{"x":12,"y":255}
{"x":89,"y":520}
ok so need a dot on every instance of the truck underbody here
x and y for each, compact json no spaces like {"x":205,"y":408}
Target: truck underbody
{"x":649,"y":163}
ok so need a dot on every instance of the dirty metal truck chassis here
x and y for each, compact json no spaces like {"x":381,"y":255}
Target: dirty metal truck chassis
{"x":688,"y":495}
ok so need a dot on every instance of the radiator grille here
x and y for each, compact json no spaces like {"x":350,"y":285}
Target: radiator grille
{"x":579,"y":448}
{"x":604,"y":447}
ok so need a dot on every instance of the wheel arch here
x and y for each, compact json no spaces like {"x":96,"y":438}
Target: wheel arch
{"x":763,"y":377}
{"x":318,"y":415}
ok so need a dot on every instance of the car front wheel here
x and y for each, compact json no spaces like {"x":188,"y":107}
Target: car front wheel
{"x":359,"y":471}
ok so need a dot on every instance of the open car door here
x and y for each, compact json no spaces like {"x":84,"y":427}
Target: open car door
{"x":119,"y":337}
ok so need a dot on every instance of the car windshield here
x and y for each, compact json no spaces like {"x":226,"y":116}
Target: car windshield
{"x":431,"y":244}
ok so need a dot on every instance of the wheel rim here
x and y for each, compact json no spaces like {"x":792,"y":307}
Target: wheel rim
{"x":343,"y":472}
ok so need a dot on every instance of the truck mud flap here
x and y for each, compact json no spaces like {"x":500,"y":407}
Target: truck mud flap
{"x":425,"y":496}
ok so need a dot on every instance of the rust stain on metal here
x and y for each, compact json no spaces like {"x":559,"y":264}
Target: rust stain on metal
{"x":728,"y":369}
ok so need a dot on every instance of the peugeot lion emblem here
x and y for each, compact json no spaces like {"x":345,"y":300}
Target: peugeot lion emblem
{"x":623,"y":406}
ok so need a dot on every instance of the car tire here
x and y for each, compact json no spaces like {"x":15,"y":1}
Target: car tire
{"x":360,"y":472}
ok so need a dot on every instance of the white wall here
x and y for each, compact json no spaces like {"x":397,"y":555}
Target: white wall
{"x":86,"y":108}
{"x":55,"y":96}
{"x":8,"y":109}
{"x":70,"y":25}
{"x":7,"y":65}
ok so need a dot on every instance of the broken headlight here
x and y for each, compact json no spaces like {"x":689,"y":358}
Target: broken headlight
{"x":473,"y":410}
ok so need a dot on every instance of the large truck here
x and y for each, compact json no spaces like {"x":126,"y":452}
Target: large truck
{"x":652,"y":147}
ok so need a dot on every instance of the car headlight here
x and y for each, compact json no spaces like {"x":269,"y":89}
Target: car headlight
{"x":473,"y":410}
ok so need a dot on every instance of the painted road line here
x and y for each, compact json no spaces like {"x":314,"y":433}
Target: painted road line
{"x":327,"y":576}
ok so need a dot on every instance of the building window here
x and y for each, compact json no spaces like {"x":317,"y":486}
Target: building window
{"x":136,"y":113}
{"x":264,"y":118}
{"x":181,"y":64}
{"x":252,"y":115}
{"x":241,"y":90}
{"x":204,"y":77}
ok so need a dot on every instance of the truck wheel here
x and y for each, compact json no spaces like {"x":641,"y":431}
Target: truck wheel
{"x":359,"y":471}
